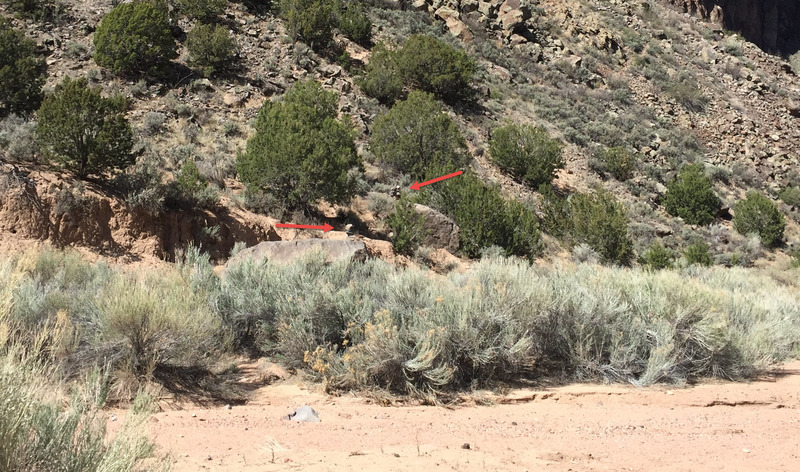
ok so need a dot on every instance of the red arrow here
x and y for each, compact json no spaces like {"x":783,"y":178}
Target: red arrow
{"x":418,"y":185}
{"x":326,"y":227}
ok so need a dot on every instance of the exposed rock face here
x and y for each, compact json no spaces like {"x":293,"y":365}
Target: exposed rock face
{"x":289,"y":251}
{"x":442,"y":231}
{"x":774,"y":25}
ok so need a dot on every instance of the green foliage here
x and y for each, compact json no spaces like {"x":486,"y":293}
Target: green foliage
{"x":311,"y":21}
{"x":416,"y":136}
{"x":382,"y":77}
{"x":407,"y":225}
{"x":22,"y":73}
{"x":300,"y":151}
{"x":86,"y":132}
{"x":135,"y":38}
{"x":485,"y":218}
{"x":599,"y":220}
{"x":212,"y":48}
{"x":355,"y":24}
{"x":758,"y":214}
{"x":527,"y":152}
{"x":436,"y":67}
{"x":688,"y":94}
{"x":691,"y":197}
{"x":203,"y":10}
{"x":698,"y":253}
{"x":619,"y":162}
{"x":191,"y":189}
{"x":791,"y":196}
{"x":657,"y":257}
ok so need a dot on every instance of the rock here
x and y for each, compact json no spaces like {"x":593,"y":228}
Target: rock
{"x":305,"y":414}
{"x":442,"y":231}
{"x":511,"y":21}
{"x":234,"y":100}
{"x":289,"y":251}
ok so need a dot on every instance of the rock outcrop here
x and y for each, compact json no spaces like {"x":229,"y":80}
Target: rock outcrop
{"x":283,"y":252}
{"x":441,"y":231}
{"x":773,"y":25}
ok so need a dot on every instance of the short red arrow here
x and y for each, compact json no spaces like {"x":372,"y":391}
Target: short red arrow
{"x":326,"y":227}
{"x":418,"y":185}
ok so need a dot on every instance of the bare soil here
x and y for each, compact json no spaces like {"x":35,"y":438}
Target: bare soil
{"x":712,"y":426}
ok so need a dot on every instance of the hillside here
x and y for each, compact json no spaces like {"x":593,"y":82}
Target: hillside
{"x":524,"y":195}
{"x":671,"y":87}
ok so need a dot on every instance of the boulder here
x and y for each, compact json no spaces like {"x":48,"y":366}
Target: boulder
{"x":283,"y":252}
{"x":442,"y":232}
{"x":304,"y":414}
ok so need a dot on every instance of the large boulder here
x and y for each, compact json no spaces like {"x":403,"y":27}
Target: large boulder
{"x":442,"y":232}
{"x":283,"y":252}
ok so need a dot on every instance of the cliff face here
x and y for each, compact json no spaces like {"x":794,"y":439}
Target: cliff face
{"x":774,"y":25}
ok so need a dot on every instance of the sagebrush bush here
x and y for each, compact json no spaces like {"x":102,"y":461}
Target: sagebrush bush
{"x":86,"y":132}
{"x":527,"y":152}
{"x":203,"y":10}
{"x":136,"y":324}
{"x":758,"y":214}
{"x":212,"y":48}
{"x":135,"y":38}
{"x":698,"y":253}
{"x":18,"y":139}
{"x":355,"y":24}
{"x":416,"y":136}
{"x":300,"y":152}
{"x":39,"y":433}
{"x":382,"y":78}
{"x":691,"y":197}
{"x":687,"y":93}
{"x":436,"y":67}
{"x":22,"y":72}
{"x":619,"y":162}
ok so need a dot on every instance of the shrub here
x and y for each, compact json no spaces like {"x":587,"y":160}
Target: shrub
{"x":212,"y":48}
{"x":39,"y":433}
{"x":619,"y":162}
{"x":407,"y":225}
{"x":191,"y":190}
{"x":17,"y":139}
{"x":758,"y":214}
{"x":527,"y":152}
{"x":355,"y":24}
{"x":436,"y":67}
{"x":311,"y":21}
{"x":791,"y":196}
{"x":691,"y":197}
{"x":86,"y":132}
{"x":599,"y":220}
{"x":657,"y":257}
{"x":22,"y":73}
{"x":135,"y":38}
{"x":382,"y":77}
{"x":485,"y":218}
{"x":300,"y":151}
{"x":416,"y":136}
{"x":698,"y":253}
{"x":203,"y":10}
{"x":687,"y":93}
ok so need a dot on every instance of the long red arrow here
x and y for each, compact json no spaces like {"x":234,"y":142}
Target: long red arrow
{"x":326,"y":227}
{"x":418,"y":185}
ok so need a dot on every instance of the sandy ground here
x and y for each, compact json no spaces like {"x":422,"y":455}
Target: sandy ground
{"x":714,"y":426}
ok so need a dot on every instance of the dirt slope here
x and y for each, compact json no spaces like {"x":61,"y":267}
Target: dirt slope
{"x":716,"y":426}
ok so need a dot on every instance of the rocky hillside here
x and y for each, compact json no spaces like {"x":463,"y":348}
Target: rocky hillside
{"x":671,"y":81}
